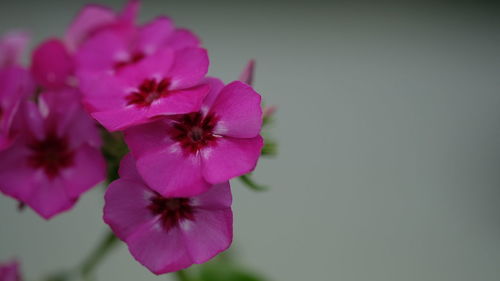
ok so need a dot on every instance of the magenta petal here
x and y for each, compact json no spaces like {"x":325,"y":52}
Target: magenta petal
{"x":16,"y":176}
{"x":121,"y":119}
{"x":88,"y":170}
{"x":190,"y":66}
{"x":128,"y":170}
{"x":148,"y":138}
{"x":32,"y":120}
{"x":218,"y":197}
{"x":103,"y":51}
{"x":182,"y":38}
{"x":11,"y":48}
{"x":230,"y":157}
{"x":102,"y":91}
{"x":68,"y":117}
{"x":87,"y":22}
{"x":159,"y":251}
{"x":52,"y":65}
{"x":15,"y":86}
{"x":126,"y":206}
{"x":247,"y":75}
{"x":239,"y":111}
{"x":172,"y":173}
{"x":155,"y":66}
{"x":216,"y":86}
{"x":179,"y":102}
{"x":210,"y":233}
{"x":152,"y":36}
{"x":49,"y":196}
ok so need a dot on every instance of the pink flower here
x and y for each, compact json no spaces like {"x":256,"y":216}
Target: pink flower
{"x":168,"y":234}
{"x":116,"y":49}
{"x":164,"y":84}
{"x":185,"y":154}
{"x":15,"y":86}
{"x":11,"y":48}
{"x":56,"y":155}
{"x":10,"y":271}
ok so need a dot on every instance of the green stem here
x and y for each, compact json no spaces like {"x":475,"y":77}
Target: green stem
{"x":181,"y":275}
{"x":102,"y":249}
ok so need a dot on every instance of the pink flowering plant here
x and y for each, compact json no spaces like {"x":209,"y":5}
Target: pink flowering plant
{"x":130,"y":107}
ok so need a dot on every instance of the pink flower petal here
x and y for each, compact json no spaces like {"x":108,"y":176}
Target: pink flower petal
{"x":121,"y":119}
{"x":155,"y":66}
{"x":52,"y":65}
{"x":239,"y":111}
{"x":15,"y":86}
{"x":128,"y":170}
{"x":49,"y":196}
{"x":103,"y":51}
{"x":190,"y":66}
{"x":68,"y":118}
{"x":87,"y":22}
{"x":102,"y":91}
{"x":218,"y":197}
{"x":231,"y":157}
{"x":126,"y":207}
{"x":89,"y":169}
{"x":152,"y":36}
{"x":12,"y":47}
{"x":148,"y":138}
{"x":16,"y":176}
{"x":172,"y":173}
{"x":216,"y":86}
{"x":159,"y":251}
{"x":32,"y":121}
{"x":178,"y":102}
{"x":182,"y":38}
{"x":209,"y":234}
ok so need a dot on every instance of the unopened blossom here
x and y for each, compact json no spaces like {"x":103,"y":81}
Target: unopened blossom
{"x":56,"y":156}
{"x":166,"y":83}
{"x":9,"y":271}
{"x":185,"y":154}
{"x":115,"y":49}
{"x":52,"y":65}
{"x":15,"y":86}
{"x":247,"y":74}
{"x":167,"y":234}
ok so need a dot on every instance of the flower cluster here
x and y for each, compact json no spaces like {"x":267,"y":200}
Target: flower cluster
{"x":188,"y":134}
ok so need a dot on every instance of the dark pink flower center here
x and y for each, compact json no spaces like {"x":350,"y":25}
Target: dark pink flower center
{"x":171,"y":210}
{"x":194,"y":131}
{"x":134,"y":58}
{"x":149,"y":91}
{"x":51,"y":154}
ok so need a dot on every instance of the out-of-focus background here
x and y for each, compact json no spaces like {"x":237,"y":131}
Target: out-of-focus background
{"x":389,"y":131}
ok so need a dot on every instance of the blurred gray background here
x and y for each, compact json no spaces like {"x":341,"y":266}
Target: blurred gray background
{"x":389,"y":131}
